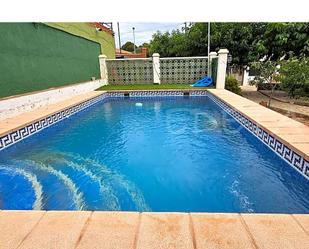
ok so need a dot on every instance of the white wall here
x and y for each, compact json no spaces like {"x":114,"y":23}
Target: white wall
{"x":13,"y":106}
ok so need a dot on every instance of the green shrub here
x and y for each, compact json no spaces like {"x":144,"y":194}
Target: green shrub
{"x":294,"y":76}
{"x":232,"y":85}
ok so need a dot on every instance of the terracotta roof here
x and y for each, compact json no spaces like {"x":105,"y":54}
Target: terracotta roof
{"x":122,"y":51}
{"x":99,"y":25}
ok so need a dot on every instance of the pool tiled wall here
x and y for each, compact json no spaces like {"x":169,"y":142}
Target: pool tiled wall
{"x":294,"y":159}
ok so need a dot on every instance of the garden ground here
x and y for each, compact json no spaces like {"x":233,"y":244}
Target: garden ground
{"x":297,"y":112}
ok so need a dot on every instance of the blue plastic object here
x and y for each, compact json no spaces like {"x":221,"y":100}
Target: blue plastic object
{"x":206,"y":81}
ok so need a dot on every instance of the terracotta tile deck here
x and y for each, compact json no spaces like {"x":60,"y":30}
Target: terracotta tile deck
{"x":84,"y":229}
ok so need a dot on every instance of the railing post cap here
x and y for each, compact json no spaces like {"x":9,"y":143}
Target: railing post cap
{"x":103,"y":56}
{"x":213,"y":53}
{"x":156,"y":55}
{"x":223,"y":51}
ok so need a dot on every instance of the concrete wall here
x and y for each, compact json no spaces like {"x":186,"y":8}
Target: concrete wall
{"x":88,"y":31}
{"x":34,"y":56}
{"x":13,"y":106}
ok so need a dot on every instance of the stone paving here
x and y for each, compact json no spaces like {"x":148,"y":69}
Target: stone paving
{"x":85,"y":229}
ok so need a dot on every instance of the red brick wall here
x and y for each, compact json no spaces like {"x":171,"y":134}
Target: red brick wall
{"x":143,"y":54}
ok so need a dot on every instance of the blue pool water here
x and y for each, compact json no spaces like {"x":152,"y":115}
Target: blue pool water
{"x":165,"y":154}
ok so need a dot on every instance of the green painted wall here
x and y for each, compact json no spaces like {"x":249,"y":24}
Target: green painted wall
{"x":88,"y":31}
{"x":36,"y":57}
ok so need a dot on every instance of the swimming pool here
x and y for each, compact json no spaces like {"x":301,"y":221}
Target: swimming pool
{"x":162,"y":154}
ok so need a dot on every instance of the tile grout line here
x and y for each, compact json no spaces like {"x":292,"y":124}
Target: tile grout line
{"x":32,"y":229}
{"x":84,"y":228}
{"x":136,"y":236}
{"x":301,"y":226}
{"x":192,"y":232}
{"x":248,"y":231}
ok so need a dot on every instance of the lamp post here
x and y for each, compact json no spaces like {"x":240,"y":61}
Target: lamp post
{"x":119,"y":37}
{"x":208,"y":49}
{"x":229,"y":61}
{"x":134,"y":39}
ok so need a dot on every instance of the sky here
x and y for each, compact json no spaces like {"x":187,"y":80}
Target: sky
{"x":143,"y":30}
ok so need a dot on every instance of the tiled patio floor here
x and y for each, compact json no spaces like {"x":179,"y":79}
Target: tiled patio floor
{"x":83,"y":229}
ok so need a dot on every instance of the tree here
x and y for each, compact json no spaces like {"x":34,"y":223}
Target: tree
{"x":160,"y":44}
{"x":267,"y":74}
{"x":237,"y":37}
{"x":144,"y":45}
{"x":294,"y":75}
{"x":247,"y":42}
{"x":283,"y":40}
{"x":128,"y":46}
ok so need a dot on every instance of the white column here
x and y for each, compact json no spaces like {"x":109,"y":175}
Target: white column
{"x":103,"y":68}
{"x":212,"y":55}
{"x":156,"y":68}
{"x":221,"y":70}
{"x":245,"y":81}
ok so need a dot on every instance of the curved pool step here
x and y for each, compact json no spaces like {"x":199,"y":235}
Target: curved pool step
{"x":70,"y":181}
{"x":59,"y":192}
{"x":36,"y":186}
{"x":116,"y":184}
{"x":115,"y":179}
{"x":97,"y":194}
{"x":77,"y":195}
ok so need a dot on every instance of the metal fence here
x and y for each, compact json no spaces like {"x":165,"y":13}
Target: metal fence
{"x":182,"y":70}
{"x":130,"y":71}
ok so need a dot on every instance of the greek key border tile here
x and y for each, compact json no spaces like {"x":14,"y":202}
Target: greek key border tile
{"x":198,"y":93}
{"x":30,"y":129}
{"x":295,"y":160}
{"x":154,"y":93}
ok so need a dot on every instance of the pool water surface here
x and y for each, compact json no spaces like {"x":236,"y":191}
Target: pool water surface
{"x":149,"y":154}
